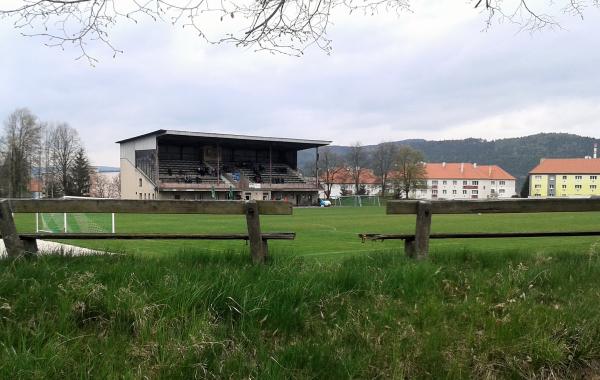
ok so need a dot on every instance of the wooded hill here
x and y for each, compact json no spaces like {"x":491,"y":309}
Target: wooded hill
{"x":516,"y":155}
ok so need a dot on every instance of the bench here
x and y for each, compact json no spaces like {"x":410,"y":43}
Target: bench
{"x":18,"y":244}
{"x":417,"y":245}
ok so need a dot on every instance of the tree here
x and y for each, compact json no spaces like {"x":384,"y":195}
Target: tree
{"x":80,"y":174}
{"x":330,"y":165}
{"x":64,"y":145}
{"x":20,"y":147}
{"x":287,"y":26}
{"x":525,"y":188}
{"x":411,"y":172}
{"x":383,"y":161}
{"x":356,"y":161}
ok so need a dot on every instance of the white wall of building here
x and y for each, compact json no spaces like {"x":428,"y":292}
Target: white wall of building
{"x":336,"y":189}
{"x":467,"y":189}
{"x":134,"y":184}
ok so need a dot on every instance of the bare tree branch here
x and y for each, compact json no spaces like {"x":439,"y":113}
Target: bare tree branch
{"x":284,"y":26}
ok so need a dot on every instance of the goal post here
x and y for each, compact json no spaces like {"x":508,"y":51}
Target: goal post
{"x":358,"y":200}
{"x":67,"y":222}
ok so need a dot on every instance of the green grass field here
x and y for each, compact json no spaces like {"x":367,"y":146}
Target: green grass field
{"x":332,"y":232}
{"x":325,"y":306}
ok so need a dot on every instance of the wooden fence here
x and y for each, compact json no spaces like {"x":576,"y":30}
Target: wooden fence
{"x":417,"y":244}
{"x":21,"y":243}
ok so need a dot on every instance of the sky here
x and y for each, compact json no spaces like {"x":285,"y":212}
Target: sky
{"x":434,"y":73}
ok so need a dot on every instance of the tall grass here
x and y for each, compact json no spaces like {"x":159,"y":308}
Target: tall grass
{"x":193,"y":314}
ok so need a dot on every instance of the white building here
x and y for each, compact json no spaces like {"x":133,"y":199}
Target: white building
{"x":342,"y":183}
{"x":466,"y":181}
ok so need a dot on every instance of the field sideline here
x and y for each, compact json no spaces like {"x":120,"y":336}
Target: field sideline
{"x":332,"y":232}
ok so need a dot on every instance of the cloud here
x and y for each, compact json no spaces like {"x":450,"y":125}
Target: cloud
{"x":428,"y":74}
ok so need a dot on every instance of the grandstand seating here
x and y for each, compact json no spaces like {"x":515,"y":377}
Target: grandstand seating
{"x":277,"y":174}
{"x":186,"y":171}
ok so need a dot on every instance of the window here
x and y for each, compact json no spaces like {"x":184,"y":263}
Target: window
{"x":564,"y":186}
{"x":474,"y":183}
{"x":444,"y":182}
{"x":593,"y":177}
{"x":140,"y":195}
{"x":578,"y":177}
{"x":434,"y":182}
{"x":434,"y":192}
{"x":465,"y":183}
{"x":493,"y":191}
{"x":474,"y":191}
{"x":502,"y":191}
{"x":577,"y":187}
{"x":502,"y":183}
{"x":454,"y":182}
{"x":493,"y":182}
{"x":538,"y":177}
{"x":465,"y":192}
{"x":140,"y":182}
{"x":551,"y":186}
{"x":564,"y":177}
{"x":454,"y":192}
{"x":592,"y":187}
{"x":444,"y":191}
{"x":538,"y":186}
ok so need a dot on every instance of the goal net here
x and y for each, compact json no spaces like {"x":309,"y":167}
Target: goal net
{"x":358,"y":200}
{"x":54,"y":222}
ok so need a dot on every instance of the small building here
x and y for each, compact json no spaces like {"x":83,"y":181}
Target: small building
{"x":343,"y":183}
{"x":466,"y":181}
{"x":565,"y":177}
{"x":169,"y":164}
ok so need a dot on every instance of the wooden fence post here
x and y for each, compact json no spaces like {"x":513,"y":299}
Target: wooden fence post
{"x":12,"y":243}
{"x":258,"y":247}
{"x":423,"y":228}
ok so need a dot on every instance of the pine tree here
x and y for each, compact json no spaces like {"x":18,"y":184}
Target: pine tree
{"x":80,"y":175}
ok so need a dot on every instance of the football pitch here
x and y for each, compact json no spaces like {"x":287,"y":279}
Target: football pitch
{"x":332,"y":232}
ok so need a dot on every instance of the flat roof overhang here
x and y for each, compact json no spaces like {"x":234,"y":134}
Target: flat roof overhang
{"x":165,"y":135}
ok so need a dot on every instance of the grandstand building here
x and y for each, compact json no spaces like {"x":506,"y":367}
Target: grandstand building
{"x":168,"y":164}
{"x":466,"y":181}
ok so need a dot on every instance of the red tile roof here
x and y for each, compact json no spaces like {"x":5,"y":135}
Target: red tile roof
{"x":35,"y":186}
{"x":466,"y":171}
{"x":567,"y":165}
{"x":344,"y":176}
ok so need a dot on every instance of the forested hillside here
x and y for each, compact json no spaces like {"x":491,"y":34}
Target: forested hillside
{"x":516,"y":155}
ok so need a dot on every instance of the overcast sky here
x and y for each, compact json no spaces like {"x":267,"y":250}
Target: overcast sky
{"x":431,"y":74}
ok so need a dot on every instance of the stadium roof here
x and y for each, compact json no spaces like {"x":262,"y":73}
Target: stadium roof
{"x":299,"y":143}
{"x":567,"y":166}
{"x":466,"y":171}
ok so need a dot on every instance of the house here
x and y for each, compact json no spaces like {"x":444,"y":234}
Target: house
{"x":342,"y":183}
{"x":565,"y":177}
{"x":466,"y":181}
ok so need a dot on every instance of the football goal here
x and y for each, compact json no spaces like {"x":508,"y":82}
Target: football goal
{"x":358,"y":200}
{"x":68,"y":222}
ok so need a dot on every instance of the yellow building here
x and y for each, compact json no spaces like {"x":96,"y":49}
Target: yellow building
{"x":565,"y":177}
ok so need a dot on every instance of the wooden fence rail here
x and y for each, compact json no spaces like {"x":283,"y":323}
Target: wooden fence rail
{"x":417,"y":244}
{"x":17,"y":244}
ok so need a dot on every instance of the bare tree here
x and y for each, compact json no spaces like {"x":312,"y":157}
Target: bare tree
{"x":356,"y":161}
{"x":410,"y":171}
{"x":287,"y":26}
{"x":103,"y":186}
{"x":64,"y":144}
{"x":383,"y":161}
{"x":20,"y":147}
{"x":330,"y":165}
